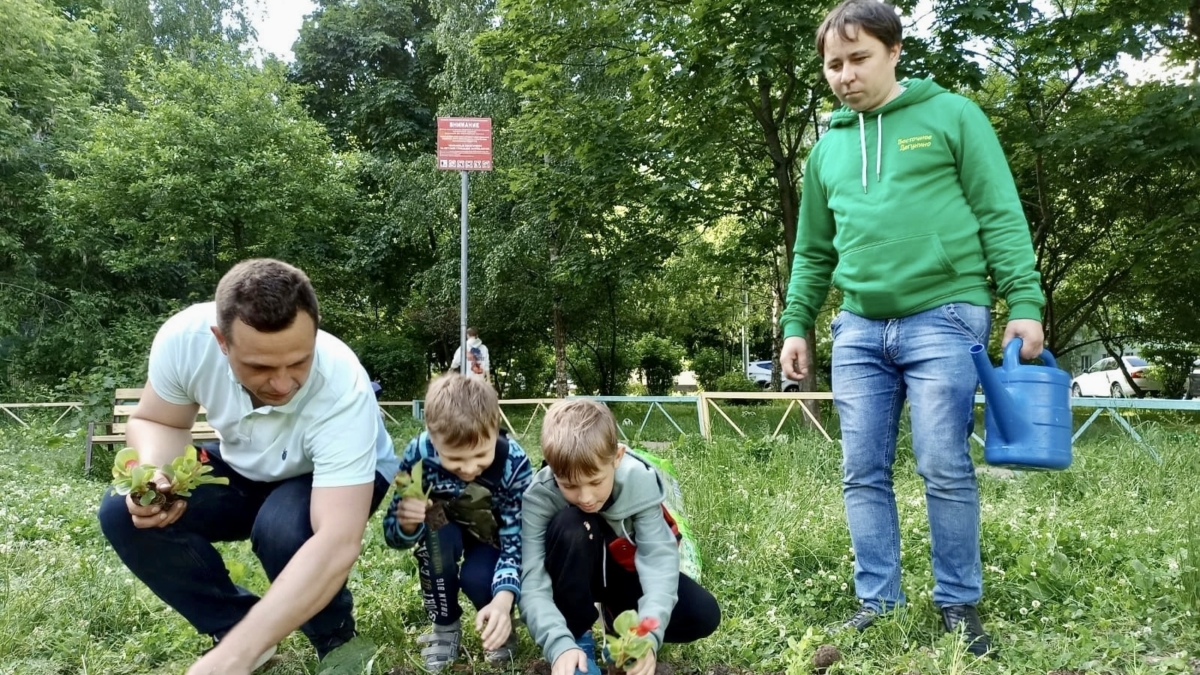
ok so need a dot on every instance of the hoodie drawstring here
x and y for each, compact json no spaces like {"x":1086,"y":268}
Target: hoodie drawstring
{"x":879,"y":147}
{"x":604,"y":566}
{"x":862,"y":144}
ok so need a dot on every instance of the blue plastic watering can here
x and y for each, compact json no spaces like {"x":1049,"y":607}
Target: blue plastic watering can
{"x":1028,"y":416}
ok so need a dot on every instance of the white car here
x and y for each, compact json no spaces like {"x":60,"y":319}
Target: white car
{"x":1193,"y":383}
{"x":760,"y":372}
{"x":1105,"y":379}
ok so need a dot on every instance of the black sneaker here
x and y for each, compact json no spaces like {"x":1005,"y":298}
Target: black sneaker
{"x":964,"y":617}
{"x":860,"y":621}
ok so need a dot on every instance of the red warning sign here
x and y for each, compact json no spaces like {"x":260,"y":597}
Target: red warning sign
{"x":464,"y":144}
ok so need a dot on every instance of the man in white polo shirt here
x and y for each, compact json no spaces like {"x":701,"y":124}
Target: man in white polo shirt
{"x":303,"y":446}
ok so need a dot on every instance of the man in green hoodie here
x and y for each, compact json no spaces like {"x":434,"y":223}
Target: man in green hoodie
{"x":909,"y":208}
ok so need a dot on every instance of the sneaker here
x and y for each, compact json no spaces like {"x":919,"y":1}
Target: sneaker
{"x":506,"y":653}
{"x":966,"y":619}
{"x":443,"y":645}
{"x":587,"y":643}
{"x":861,"y":620}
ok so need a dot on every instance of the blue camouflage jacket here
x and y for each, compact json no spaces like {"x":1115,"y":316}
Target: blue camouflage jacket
{"x":505,"y":481}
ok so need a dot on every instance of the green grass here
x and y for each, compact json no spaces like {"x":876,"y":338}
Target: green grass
{"x":1091,"y":570}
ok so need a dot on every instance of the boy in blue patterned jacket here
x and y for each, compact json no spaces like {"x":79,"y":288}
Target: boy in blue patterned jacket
{"x":476,"y":477}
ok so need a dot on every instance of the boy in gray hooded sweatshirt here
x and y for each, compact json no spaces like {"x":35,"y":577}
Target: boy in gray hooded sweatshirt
{"x":594,"y":530}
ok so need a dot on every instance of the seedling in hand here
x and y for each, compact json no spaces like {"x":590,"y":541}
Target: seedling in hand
{"x":410,"y":485}
{"x":631,"y":641}
{"x":186,"y":473}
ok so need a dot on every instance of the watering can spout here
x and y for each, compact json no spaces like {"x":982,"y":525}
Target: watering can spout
{"x":1011,"y":424}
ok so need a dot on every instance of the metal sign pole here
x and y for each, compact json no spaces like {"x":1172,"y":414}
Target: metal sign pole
{"x":462,"y":287}
{"x":464,"y":144}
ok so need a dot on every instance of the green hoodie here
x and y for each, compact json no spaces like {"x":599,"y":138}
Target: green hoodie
{"x":908,"y":207}
{"x":635,"y":513}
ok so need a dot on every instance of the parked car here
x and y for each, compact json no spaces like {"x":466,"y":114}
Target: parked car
{"x":1193,"y":384}
{"x":760,"y":372}
{"x":1105,"y":379}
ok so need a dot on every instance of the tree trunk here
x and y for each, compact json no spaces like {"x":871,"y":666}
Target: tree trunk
{"x":779,"y":291}
{"x":613,"y":365}
{"x":1194,"y":21}
{"x":783,"y":163}
{"x":776,"y":339}
{"x":560,"y":336}
{"x":560,"y":351}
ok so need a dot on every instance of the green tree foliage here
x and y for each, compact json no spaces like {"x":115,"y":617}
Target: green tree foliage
{"x":222,"y":164}
{"x":709,"y":364}
{"x":219,"y":162}
{"x":659,"y":361}
{"x":648,"y":155}
{"x":48,"y":68}
{"x":187,"y":29}
{"x":368,"y":68}
{"x":1106,"y":169}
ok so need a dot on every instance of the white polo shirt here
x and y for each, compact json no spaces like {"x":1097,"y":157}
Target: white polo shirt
{"x":331,"y":428}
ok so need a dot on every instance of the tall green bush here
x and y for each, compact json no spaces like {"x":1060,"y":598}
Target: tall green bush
{"x":659,"y":360}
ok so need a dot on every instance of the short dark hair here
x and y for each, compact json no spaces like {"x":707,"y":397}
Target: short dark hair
{"x":265,"y":294}
{"x":878,"y":19}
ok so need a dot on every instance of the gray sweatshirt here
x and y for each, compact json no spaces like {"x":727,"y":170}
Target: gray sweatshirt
{"x":636,"y":513}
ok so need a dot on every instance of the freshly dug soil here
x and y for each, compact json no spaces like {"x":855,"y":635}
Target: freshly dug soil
{"x":163,"y":499}
{"x":825,"y":656}
{"x":435,"y":517}
{"x":538,"y":668}
{"x":660,"y":668}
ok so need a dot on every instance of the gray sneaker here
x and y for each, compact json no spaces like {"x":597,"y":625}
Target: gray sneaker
{"x":506,"y":653}
{"x":443,"y":644}
{"x":859,"y":621}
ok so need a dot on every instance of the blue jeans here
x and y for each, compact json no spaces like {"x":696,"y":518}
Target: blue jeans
{"x":877,"y":364}
{"x":182,"y":567}
{"x":438,"y":566}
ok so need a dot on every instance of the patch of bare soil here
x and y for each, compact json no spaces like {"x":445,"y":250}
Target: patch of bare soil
{"x":825,"y":656}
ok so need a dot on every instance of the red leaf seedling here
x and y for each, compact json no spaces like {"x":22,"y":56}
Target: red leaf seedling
{"x":186,"y":473}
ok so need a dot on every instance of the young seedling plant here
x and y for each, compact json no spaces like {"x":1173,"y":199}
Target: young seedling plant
{"x":412,"y":486}
{"x":631,"y":641}
{"x":186,"y":473}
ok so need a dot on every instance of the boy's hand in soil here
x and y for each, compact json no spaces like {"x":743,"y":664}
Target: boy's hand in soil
{"x":643,"y":666}
{"x":411,"y":513}
{"x":145,"y":517}
{"x":570,"y":662}
{"x":494,"y":621}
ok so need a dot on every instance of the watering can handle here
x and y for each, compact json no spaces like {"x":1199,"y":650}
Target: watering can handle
{"x":1012,"y":355}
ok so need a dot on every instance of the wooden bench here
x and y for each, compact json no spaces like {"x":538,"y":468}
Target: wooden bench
{"x":113,"y":433}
